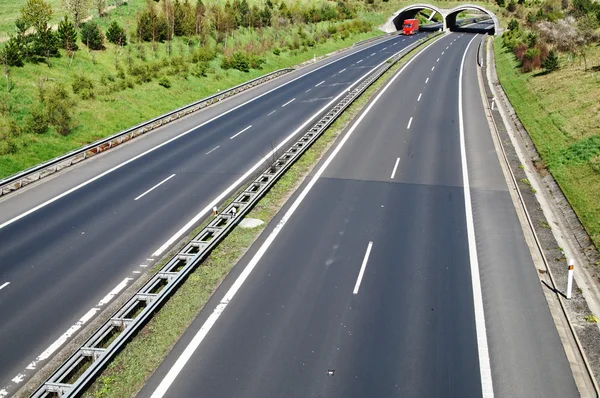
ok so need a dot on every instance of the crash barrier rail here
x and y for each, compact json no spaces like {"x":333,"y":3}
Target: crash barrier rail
{"x":35,"y":173}
{"x":89,"y":360}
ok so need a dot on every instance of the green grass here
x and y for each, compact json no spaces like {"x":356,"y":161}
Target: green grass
{"x":561,"y":112}
{"x":126,"y":375}
{"x":109,"y":113}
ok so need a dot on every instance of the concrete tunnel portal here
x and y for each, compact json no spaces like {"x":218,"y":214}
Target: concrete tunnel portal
{"x":448,"y":18}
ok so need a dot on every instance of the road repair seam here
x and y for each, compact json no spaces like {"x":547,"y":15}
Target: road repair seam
{"x":214,"y":316}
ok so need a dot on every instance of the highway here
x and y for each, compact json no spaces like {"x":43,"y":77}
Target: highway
{"x":398,"y":269}
{"x":74,"y":242}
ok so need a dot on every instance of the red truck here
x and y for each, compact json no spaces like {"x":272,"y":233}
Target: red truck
{"x":410,"y":26}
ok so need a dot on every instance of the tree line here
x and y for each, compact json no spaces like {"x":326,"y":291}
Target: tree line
{"x":35,"y":41}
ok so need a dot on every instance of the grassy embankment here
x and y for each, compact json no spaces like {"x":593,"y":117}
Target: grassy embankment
{"x":561,"y":112}
{"x":126,"y":375}
{"x":113,"y":110}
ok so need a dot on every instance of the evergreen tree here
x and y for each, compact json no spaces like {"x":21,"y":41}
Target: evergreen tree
{"x":92,"y":36}
{"x":116,"y":34}
{"x":67,"y":35}
{"x":12,"y":53}
{"x":551,"y":62}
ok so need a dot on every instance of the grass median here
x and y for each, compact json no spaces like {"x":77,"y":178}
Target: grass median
{"x":126,"y":375}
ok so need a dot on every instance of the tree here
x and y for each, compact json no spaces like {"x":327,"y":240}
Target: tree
{"x":92,"y":36}
{"x":116,"y":34}
{"x":67,"y":34}
{"x":58,"y":104}
{"x":551,"y":62}
{"x":12,"y":53}
{"x":200,"y":12}
{"x":36,"y":13}
{"x":77,"y":8}
{"x":99,"y":5}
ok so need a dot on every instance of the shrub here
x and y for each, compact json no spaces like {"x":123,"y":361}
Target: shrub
{"x":276,"y":51}
{"x":83,"y":86}
{"x":12,"y":53}
{"x":116,"y":35}
{"x":37,"y":122}
{"x":165,"y":82}
{"x":520,"y":50}
{"x":512,"y":6}
{"x":513,"y":24}
{"x":92,"y":36}
{"x":58,"y":105}
{"x":200,"y":70}
{"x":203,"y":54}
{"x":237,"y":61}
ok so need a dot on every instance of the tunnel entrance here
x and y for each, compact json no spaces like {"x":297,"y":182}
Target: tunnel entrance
{"x":463,"y":18}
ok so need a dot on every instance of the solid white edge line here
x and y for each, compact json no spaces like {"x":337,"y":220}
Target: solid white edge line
{"x":75,"y":188}
{"x":395,"y":168}
{"x":236,"y":134}
{"x":156,"y":186}
{"x":485,"y":370}
{"x":409,"y":123}
{"x":249,"y":172}
{"x":419,"y":99}
{"x":4,"y":285}
{"x":317,"y":85}
{"x":212,"y":150}
{"x":289,"y":102}
{"x":212,"y":319}
{"x":362,"y":268}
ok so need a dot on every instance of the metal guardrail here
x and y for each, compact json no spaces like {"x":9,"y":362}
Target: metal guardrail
{"x":375,"y":38}
{"x":35,"y":173}
{"x":81,"y":368}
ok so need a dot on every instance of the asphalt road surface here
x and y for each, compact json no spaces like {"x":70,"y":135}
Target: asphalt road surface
{"x":62,"y":263}
{"x":365,"y":284}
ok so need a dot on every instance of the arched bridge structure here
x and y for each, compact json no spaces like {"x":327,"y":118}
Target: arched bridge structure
{"x":394,"y":23}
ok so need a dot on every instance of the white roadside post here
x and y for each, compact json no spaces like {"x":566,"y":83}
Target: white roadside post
{"x":570,"y":278}
{"x":215,"y":210}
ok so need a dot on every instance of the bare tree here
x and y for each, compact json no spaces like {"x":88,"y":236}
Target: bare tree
{"x":77,"y":8}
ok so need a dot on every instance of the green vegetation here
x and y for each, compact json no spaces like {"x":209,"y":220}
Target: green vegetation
{"x":141,"y":59}
{"x":561,"y":112}
{"x":547,"y":64}
{"x":126,"y":375}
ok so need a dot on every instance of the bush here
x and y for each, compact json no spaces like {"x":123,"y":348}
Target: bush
{"x":92,"y":36}
{"x":512,"y":6}
{"x":551,"y":62}
{"x":203,"y":54}
{"x":58,"y":105}
{"x":83,"y":86}
{"x":201,"y":69}
{"x":513,"y":24}
{"x":237,"y":61}
{"x":276,"y":51}
{"x":165,"y":82}
{"x":116,"y":35}
{"x":37,"y":122}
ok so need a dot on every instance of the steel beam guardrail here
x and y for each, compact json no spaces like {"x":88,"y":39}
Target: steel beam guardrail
{"x":35,"y":173}
{"x":88,"y":361}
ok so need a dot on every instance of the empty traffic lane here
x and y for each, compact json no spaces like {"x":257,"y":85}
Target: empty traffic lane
{"x":368,"y":282}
